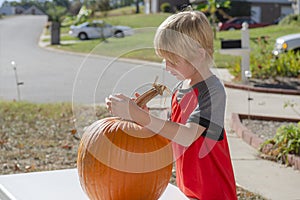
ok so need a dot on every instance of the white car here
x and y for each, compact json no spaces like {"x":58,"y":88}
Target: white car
{"x":99,"y":29}
{"x":287,"y":43}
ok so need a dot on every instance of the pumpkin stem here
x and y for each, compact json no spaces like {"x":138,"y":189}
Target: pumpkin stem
{"x":157,"y":89}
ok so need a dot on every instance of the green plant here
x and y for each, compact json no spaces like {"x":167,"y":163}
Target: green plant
{"x":235,"y":69}
{"x":286,"y":141}
{"x":288,"y":64}
{"x":292,"y":19}
{"x":165,"y":7}
{"x":83,"y":15}
{"x":265,"y":65}
{"x":261,"y":61}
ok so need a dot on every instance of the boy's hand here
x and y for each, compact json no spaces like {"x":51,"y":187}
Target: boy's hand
{"x":120,"y":105}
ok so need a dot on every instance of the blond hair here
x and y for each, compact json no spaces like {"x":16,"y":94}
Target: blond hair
{"x":182,"y":34}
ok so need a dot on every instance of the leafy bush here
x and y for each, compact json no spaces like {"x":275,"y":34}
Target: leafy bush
{"x":286,"y":141}
{"x":235,"y":69}
{"x":291,"y":19}
{"x":68,"y":21}
{"x":260,"y":61}
{"x":165,"y":7}
{"x":265,"y":65}
{"x":288,"y":64}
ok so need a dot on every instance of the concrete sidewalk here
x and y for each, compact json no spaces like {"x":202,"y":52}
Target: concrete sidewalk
{"x":267,"y":178}
{"x":271,"y":180}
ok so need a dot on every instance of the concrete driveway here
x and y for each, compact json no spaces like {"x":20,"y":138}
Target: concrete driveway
{"x":55,"y":76}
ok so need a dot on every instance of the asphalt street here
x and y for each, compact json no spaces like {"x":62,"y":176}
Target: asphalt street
{"x":56,"y":76}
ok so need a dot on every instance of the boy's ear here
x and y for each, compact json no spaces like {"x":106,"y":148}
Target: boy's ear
{"x":201,"y":53}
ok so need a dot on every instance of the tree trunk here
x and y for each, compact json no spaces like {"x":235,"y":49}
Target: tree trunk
{"x":214,"y":25}
{"x":137,"y":7}
{"x":55,"y":33}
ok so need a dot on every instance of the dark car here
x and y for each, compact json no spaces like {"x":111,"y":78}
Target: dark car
{"x":236,"y":23}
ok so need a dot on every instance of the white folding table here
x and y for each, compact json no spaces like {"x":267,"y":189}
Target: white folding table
{"x":56,"y":185}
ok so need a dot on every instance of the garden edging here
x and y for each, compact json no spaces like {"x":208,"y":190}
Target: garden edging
{"x":261,"y":89}
{"x":252,"y":139}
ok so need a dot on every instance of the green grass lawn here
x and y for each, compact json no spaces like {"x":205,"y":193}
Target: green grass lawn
{"x":138,"y":20}
{"x":140,"y":45}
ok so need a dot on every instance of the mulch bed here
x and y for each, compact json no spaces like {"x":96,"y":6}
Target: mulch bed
{"x":257,"y":129}
{"x":277,"y":83}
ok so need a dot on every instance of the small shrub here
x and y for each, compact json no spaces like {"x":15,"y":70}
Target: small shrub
{"x":291,"y":19}
{"x":265,"y":65}
{"x":235,"y":70}
{"x":260,"y":62}
{"x":286,"y":141}
{"x":165,"y":7}
{"x":288,"y":64}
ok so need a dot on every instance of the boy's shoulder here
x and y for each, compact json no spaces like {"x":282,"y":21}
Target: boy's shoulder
{"x":213,"y":82}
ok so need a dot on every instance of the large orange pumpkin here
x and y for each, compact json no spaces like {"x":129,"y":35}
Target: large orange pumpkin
{"x":121,"y":160}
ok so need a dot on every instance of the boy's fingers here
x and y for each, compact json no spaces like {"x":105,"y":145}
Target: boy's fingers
{"x":137,"y":94}
{"x":119,"y":97}
{"x":107,"y":100}
{"x":122,"y":96}
{"x":108,"y":104}
{"x":114,"y":98}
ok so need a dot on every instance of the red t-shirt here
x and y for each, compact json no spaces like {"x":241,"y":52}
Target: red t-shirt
{"x":204,"y":170}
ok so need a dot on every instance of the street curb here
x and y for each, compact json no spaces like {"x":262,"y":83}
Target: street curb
{"x":253,"y":140}
{"x":261,"y":89}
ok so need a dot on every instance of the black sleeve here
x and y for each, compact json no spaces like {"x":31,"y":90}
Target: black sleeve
{"x":210,"y":111}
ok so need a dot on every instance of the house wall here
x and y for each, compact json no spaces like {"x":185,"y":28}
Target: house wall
{"x":154,"y":6}
{"x":19,"y":10}
{"x":239,"y":8}
{"x":33,"y":11}
{"x":270,"y":11}
{"x":296,"y":6}
{"x":11,"y":10}
{"x":7,"y":10}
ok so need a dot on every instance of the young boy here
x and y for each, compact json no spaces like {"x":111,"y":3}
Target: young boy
{"x":203,"y":165}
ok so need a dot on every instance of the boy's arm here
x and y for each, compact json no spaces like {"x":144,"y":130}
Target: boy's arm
{"x":184,"y":135}
{"x":125,"y":108}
